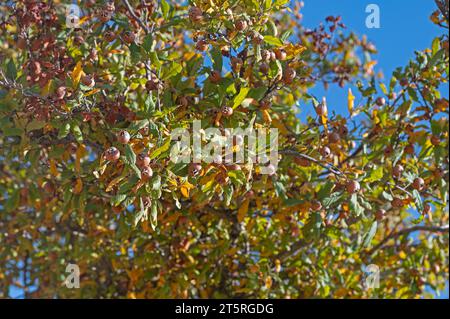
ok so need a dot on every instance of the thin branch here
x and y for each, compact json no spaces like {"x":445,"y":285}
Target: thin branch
{"x":327,"y":166}
{"x":135,"y":17}
{"x":407,"y":231}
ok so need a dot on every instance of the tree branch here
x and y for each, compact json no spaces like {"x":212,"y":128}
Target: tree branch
{"x":327,"y":166}
{"x":135,"y":17}
{"x":407,"y":231}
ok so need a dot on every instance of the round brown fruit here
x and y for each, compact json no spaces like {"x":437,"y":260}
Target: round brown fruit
{"x":321,"y":109}
{"x":88,"y":80}
{"x":241,"y":25}
{"x":142,"y":160}
{"x":264,"y":68}
{"x":265,"y":55}
{"x":353,"y":187}
{"x":435,"y":140}
{"x":202,"y":45}
{"x":112,"y":154}
{"x":195,"y":14}
{"x":334,"y":138}
{"x":104,"y":16}
{"x":61,"y":92}
{"x":123,"y":137}
{"x":289,"y":75}
{"x":227,"y":111}
{"x":280,"y":54}
{"x":152,"y":84}
{"x":325,"y":151}
{"x":146,"y":172}
{"x":397,"y":171}
{"x":418,"y":184}
{"x":215,"y":76}
{"x":109,"y":36}
{"x":316,"y":205}
{"x":397,"y":203}
{"x":380,"y":101}
{"x":128,"y":37}
{"x":195,"y":169}
{"x":380,"y":214}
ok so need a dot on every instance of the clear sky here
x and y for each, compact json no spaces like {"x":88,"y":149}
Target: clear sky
{"x":405,"y":27}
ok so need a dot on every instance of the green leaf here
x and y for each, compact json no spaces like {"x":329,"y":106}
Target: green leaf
{"x":154,"y":215}
{"x":11,"y":70}
{"x":238,"y":99}
{"x":12,"y":131}
{"x":140,"y":215}
{"x":280,"y":190}
{"x":273,"y":40}
{"x":279,"y":3}
{"x":438,"y":57}
{"x":355,"y":206}
{"x":147,"y":44}
{"x":418,"y":200}
{"x":137,"y":125}
{"x":172,"y":70}
{"x":129,"y":155}
{"x":117,"y":199}
{"x":370,"y":234}
{"x":163,"y":148}
{"x":77,"y":133}
{"x":165,"y":8}
{"x":64,"y":130}
{"x":331,"y":200}
{"x":149,"y":104}
{"x":237,"y":177}
{"x":375,"y":175}
{"x":228,"y":192}
{"x":217,"y":58}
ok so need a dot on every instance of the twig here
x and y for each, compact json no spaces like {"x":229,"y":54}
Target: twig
{"x":327,"y":166}
{"x":407,"y":231}
{"x":135,"y":17}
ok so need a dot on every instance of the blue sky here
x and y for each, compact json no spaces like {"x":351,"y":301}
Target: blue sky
{"x":405,"y":27}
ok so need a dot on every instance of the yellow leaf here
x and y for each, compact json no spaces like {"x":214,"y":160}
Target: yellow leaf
{"x":185,"y":188}
{"x":47,"y":88}
{"x":324,"y":117}
{"x":293,"y":50}
{"x":81,"y":151}
{"x":350,"y":101}
{"x":76,"y":73}
{"x":53,"y":169}
{"x":114,"y":182}
{"x":269,"y":282}
{"x":91,"y":92}
{"x":78,"y":186}
{"x":266,"y":116}
{"x":243,"y":210}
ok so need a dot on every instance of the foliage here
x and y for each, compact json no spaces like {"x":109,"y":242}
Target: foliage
{"x":344,"y":195}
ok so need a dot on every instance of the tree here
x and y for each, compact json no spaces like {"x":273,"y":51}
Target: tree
{"x":87,"y":105}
